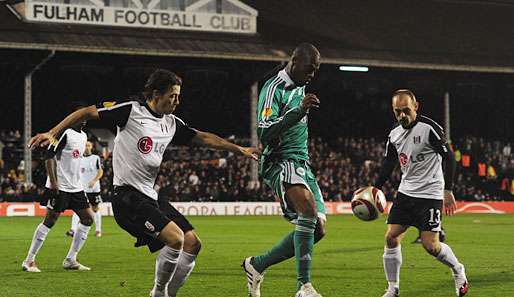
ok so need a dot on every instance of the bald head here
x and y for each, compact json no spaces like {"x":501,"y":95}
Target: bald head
{"x":304,"y":62}
{"x":307,"y":51}
{"x":404,"y":94}
{"x":405,"y":107}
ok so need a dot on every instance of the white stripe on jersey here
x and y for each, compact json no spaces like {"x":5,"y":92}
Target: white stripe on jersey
{"x":267,"y":124}
{"x":177,"y":118}
{"x":387,"y":146}
{"x":270,"y":94}
{"x":432,"y":121}
{"x":433,"y":130}
{"x":114,"y":106}
{"x":436,"y":135}
{"x":291,"y":96}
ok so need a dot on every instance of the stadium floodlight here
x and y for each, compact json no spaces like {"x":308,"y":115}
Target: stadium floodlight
{"x":354,"y":68}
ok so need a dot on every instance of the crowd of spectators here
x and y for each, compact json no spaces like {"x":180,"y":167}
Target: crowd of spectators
{"x":485,"y":171}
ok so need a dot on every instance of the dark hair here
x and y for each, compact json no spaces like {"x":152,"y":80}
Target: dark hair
{"x":160,"y":80}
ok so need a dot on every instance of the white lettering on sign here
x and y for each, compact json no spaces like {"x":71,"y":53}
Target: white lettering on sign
{"x":98,"y":14}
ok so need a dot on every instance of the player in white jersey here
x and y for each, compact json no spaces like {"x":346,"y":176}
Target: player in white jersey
{"x":145,"y":129}
{"x":63,"y":191}
{"x":419,"y":145}
{"x":90,"y":174}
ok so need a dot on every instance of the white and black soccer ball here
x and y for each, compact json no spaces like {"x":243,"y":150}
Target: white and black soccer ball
{"x":368,"y":203}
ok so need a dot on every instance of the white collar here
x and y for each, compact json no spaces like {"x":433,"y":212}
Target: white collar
{"x":283,"y":75}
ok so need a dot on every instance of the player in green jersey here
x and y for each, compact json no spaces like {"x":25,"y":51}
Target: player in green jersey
{"x":284,"y":166}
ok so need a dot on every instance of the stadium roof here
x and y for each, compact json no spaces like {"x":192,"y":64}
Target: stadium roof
{"x":444,"y":34}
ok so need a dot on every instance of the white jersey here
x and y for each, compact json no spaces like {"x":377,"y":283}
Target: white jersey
{"x":141,"y":140}
{"x":67,"y":154}
{"x":89,"y":167}
{"x":419,"y":150}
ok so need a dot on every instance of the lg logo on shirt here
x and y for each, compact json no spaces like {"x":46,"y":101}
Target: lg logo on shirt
{"x":146,"y":144}
{"x":414,"y":159}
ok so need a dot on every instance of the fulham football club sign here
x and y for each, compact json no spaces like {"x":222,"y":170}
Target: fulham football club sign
{"x":194,"y":15}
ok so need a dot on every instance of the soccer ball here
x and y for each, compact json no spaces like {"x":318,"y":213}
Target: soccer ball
{"x":368,"y":203}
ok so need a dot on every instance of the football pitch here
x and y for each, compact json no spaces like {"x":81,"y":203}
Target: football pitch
{"x":348,"y":262}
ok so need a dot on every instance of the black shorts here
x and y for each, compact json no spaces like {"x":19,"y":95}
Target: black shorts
{"x":64,"y":200}
{"x":94,"y":198}
{"x":424,"y":214}
{"x":144,"y":218}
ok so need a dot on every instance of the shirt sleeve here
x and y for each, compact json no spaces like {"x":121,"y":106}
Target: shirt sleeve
{"x":98,"y":163}
{"x":114,"y":114}
{"x":183,"y":133}
{"x":270,"y":123}
{"x":56,"y":148}
{"x":438,"y":141}
{"x":388,"y":164}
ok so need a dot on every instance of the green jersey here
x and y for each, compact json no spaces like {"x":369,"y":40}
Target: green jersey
{"x":282,"y":123}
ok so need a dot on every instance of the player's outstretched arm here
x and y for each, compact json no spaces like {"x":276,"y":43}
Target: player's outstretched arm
{"x":51,"y":170}
{"x":216,"y":142}
{"x":78,"y":116}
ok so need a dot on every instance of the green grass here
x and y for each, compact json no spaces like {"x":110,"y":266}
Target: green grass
{"x":348,"y":262}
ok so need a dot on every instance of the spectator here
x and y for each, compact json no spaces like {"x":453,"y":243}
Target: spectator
{"x":342,"y":165}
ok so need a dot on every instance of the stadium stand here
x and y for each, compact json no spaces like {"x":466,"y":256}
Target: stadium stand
{"x":485,"y":171}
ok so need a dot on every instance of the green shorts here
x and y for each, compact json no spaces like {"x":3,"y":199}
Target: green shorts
{"x":294,"y":172}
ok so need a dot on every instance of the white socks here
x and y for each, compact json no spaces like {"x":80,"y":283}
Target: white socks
{"x":97,"y":217}
{"x":98,"y":221}
{"x":37,"y":241}
{"x":74,"y":222}
{"x":79,"y":238}
{"x":392,"y":264}
{"x":165,"y":266}
{"x":447,"y":257}
{"x":186,"y":263}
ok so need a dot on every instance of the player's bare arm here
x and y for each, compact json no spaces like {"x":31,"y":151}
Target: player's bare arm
{"x":213,"y":141}
{"x":50,"y":166}
{"x":78,"y":116}
{"x":98,"y":176}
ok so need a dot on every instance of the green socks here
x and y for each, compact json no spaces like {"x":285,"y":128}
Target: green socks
{"x":303,"y":243}
{"x":280,"y":252}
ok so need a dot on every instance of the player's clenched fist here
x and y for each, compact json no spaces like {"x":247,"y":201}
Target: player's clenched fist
{"x":309,"y":101}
